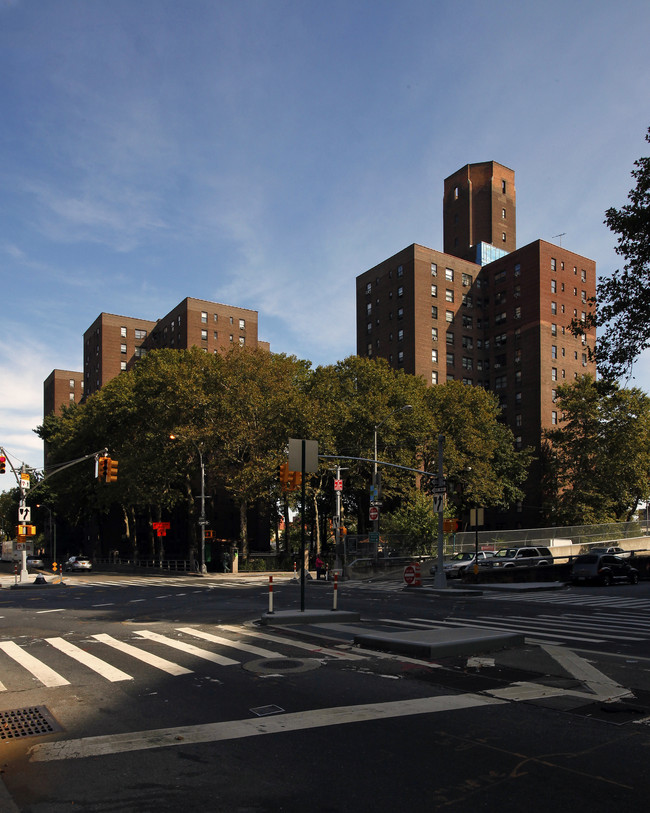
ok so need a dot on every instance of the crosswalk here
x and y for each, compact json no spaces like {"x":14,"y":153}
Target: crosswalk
{"x":57,"y":661}
{"x":571,"y":628}
{"x":165,"y":582}
{"x":576,"y":599}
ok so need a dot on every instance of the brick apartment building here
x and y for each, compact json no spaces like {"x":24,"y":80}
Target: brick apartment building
{"x":113,"y":344}
{"x":484,"y":312}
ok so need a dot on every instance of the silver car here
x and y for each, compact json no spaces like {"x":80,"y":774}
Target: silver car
{"x":460,"y":562}
{"x":522,"y":557}
{"x":76,"y":563}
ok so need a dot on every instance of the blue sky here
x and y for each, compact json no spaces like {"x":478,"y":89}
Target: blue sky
{"x":263,"y":153}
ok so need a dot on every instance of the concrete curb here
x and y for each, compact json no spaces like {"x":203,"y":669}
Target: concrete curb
{"x":289,"y":617}
{"x":440,"y":643}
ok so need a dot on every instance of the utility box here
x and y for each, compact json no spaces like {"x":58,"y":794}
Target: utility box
{"x":234,"y":560}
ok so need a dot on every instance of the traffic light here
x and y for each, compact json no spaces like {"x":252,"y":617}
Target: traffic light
{"x":103,"y":467}
{"x":3,"y":464}
{"x":111,"y":471}
{"x":296,"y":480}
{"x":285,"y":476}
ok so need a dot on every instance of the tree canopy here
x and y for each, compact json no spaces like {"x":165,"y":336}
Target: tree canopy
{"x":598,"y":458}
{"x":622,"y":307}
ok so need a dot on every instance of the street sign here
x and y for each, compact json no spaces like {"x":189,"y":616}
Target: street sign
{"x":438,"y":503}
{"x":24,"y":513}
{"x":24,"y":481}
{"x":374,"y":513}
{"x":409,"y":574}
{"x":373,"y":537}
{"x":336,"y":522}
{"x":296,"y":446}
{"x":338,"y":485}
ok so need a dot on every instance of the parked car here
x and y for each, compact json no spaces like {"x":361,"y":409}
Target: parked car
{"x":522,"y":557}
{"x":604,"y":568}
{"x":76,"y":563}
{"x":622,"y":554}
{"x":459,"y":562}
{"x":35,"y":561}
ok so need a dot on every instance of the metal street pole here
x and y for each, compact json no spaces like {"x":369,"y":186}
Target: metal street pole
{"x":202,"y":520}
{"x":440,"y":579}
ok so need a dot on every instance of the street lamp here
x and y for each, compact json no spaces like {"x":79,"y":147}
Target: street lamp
{"x":202,"y":520}
{"x":404,"y":408}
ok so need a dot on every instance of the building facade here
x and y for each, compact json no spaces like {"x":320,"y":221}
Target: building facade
{"x":62,"y":388}
{"x":502,"y":323}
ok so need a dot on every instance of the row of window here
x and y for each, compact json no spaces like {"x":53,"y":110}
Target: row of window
{"x":215,"y":317}
{"x":138,"y":333}
{"x":554,"y":289}
{"x":583,"y":273}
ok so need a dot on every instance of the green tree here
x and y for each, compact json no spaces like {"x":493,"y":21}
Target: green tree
{"x":622,"y":305}
{"x":598,"y":459}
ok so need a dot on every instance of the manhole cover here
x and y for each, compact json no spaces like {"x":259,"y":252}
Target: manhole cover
{"x":275,"y":666}
{"x":33,"y":721}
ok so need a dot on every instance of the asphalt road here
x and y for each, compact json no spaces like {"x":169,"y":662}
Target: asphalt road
{"x":153,"y":694}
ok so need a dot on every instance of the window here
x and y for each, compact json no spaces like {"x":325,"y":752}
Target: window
{"x":434,"y":377}
{"x":449,"y":337}
{"x":216,"y":317}
{"x":400,"y":270}
{"x":400,"y":313}
{"x":204,"y":317}
{"x":369,"y":349}
{"x":450,"y":359}
{"x":467,"y":321}
{"x":242,"y":324}
{"x":231,"y":338}
{"x":434,"y":312}
{"x":503,"y":214}
{"x":518,"y":312}
{"x":122,"y":367}
{"x":583,"y":275}
{"x":400,"y":357}
{"x":400,"y":291}
{"x":456,"y":192}
{"x":434,"y":334}
{"x":449,"y":316}
{"x":554,"y":417}
{"x":553,"y":286}
{"x":467,"y":280}
{"x":204,"y":335}
{"x":72,"y":383}
{"x":140,"y":334}
{"x":123,"y":332}
{"x":468,"y":301}
{"x":242,"y":341}
{"x":449,"y":274}
{"x":434,"y":356}
{"x":500,"y":382}
{"x":468,"y":342}
{"x":467,"y":362}
{"x":553,"y":373}
{"x":554,"y":308}
{"x":434,"y":269}
{"x":553,"y":329}
{"x":400,"y":335}
{"x":123,"y":349}
{"x":434,"y":290}
{"x":518,"y":269}
{"x":369,"y":288}
{"x":503,"y":236}
{"x":500,"y":318}
{"x":449,"y":295}
{"x":369,"y":327}
{"x":553,"y":351}
{"x":215,"y":335}
{"x":553,"y":264}
{"x":503,"y":187}
{"x":368,"y":308}
{"x":140,"y":352}
{"x":583,"y":296}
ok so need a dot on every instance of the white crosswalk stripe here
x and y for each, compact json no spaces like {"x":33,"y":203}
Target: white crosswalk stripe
{"x":42,"y":663}
{"x":593,"y":627}
{"x":574,"y":598}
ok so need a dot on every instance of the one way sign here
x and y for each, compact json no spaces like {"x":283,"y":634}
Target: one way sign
{"x":438,"y":503}
{"x":24,"y":513}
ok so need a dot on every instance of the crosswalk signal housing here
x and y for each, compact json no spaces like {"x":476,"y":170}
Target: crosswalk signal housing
{"x":296,"y":480}
{"x":285,"y":476}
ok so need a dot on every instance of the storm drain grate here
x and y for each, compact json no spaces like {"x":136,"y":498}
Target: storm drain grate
{"x":33,"y":721}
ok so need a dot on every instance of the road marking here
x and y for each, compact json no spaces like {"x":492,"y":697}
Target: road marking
{"x":218,"y":639}
{"x":96,"y":664}
{"x":59,"y":610}
{"x":142,"y":655}
{"x":601,"y":685}
{"x":189,"y":648}
{"x":108,"y":604}
{"x":48,"y":677}
{"x":276,"y":639}
{"x":238,"y":729}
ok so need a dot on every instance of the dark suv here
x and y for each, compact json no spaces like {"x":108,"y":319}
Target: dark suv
{"x":604,"y":568}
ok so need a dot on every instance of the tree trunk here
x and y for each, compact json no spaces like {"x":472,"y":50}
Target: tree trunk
{"x":317,"y":524}
{"x":243,"y":528}
{"x":134,"y":537}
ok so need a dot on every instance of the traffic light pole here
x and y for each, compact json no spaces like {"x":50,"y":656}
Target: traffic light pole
{"x":302,"y":532}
